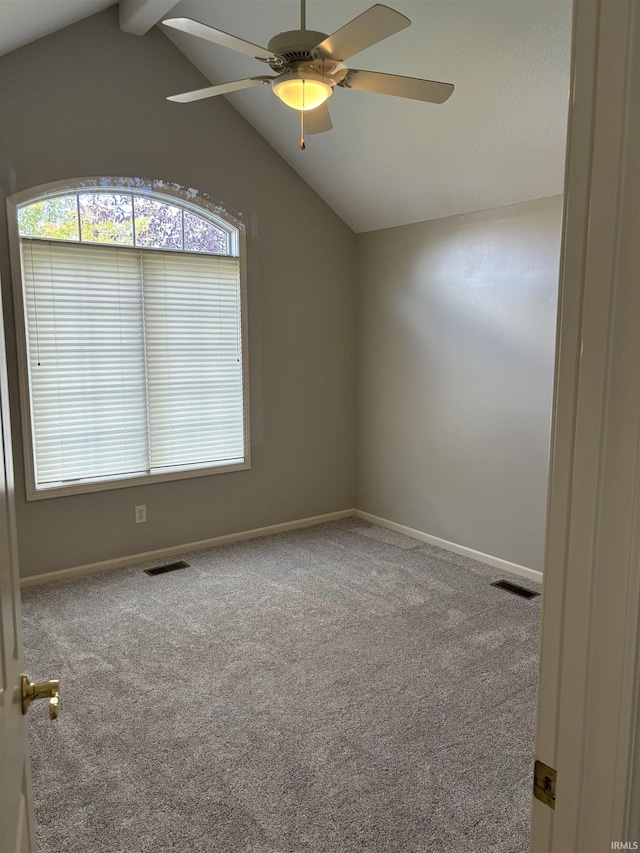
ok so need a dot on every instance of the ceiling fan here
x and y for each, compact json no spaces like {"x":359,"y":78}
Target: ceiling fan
{"x":309,"y":64}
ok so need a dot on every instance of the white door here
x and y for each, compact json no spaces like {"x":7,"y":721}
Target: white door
{"x":16,"y":810}
{"x":587,"y":724}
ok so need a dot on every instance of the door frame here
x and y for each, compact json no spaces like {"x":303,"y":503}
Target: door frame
{"x":588,"y":727}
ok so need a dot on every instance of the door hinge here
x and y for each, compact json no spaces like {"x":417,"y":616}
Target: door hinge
{"x":544,"y":784}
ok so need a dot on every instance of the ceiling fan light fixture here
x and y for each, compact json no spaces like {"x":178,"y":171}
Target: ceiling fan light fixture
{"x":302,"y":90}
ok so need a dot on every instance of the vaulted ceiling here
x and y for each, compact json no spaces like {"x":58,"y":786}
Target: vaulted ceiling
{"x":499,"y":139}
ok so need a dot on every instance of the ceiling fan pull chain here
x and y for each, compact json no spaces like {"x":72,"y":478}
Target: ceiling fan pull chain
{"x":302,"y":143}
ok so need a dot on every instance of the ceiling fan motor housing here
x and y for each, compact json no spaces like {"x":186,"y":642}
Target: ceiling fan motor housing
{"x":296,"y":45}
{"x":295,"y":59}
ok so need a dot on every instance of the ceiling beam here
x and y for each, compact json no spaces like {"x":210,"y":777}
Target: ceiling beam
{"x":138,"y":16}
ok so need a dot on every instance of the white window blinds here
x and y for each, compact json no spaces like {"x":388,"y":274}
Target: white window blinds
{"x":194,"y":359}
{"x":135,"y":361}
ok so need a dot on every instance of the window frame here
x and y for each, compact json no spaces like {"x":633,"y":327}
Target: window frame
{"x":198,"y":203}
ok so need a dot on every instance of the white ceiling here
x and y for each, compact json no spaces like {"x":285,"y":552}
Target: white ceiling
{"x":500,"y":138}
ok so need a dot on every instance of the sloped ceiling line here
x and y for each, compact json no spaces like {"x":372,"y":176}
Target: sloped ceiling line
{"x":138,"y":16}
{"x":499,"y":140}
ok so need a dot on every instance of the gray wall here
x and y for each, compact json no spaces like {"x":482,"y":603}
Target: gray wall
{"x":455,"y":325}
{"x":90,"y":100}
{"x":456,"y":328}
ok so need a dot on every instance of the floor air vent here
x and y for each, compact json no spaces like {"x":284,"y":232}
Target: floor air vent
{"x":515,"y":589}
{"x":170,"y":567}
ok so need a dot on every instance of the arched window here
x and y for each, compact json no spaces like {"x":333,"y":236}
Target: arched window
{"x":131,"y":314}
{"x":125,"y":219}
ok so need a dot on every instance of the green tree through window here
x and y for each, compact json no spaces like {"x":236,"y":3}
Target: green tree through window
{"x":121,"y":219}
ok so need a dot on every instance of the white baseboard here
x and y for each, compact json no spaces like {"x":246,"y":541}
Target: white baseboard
{"x":203,"y":544}
{"x":489,"y":560}
{"x":271,"y":530}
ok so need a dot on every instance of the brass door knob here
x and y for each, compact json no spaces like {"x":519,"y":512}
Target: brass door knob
{"x":40,"y":690}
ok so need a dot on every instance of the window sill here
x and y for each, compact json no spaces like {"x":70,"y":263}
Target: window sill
{"x":88,"y":486}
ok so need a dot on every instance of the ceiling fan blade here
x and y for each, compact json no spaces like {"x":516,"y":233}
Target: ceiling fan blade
{"x":318,"y":120}
{"x":203,"y":31}
{"x":220,"y":89}
{"x":377,"y":23}
{"x":394,"y":84}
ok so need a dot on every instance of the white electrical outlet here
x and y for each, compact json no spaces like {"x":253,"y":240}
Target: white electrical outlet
{"x":141,"y":513}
